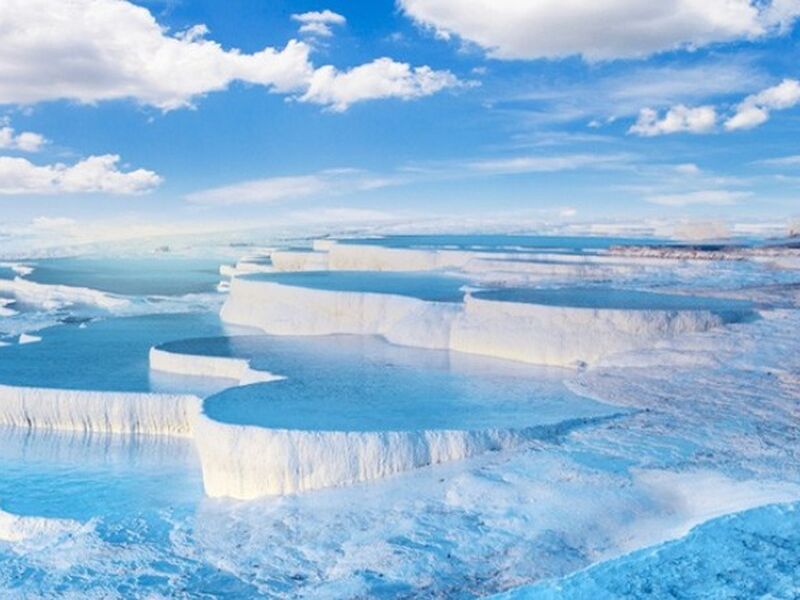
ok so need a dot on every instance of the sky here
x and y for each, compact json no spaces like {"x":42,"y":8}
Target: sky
{"x":129,"y":117}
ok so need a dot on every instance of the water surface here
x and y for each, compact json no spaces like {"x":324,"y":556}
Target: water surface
{"x":359,"y":383}
{"x":433,"y":287}
{"x":612,"y":298}
{"x":130,"y":276}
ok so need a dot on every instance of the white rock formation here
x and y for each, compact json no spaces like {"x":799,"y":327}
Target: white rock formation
{"x":53,"y":297}
{"x":323,"y":245}
{"x":299,"y":260}
{"x":91,"y":411}
{"x":246,"y":462}
{"x":334,"y":256}
{"x":566,"y":336}
{"x":548,"y":335}
{"x":341,"y":256}
{"x":289,"y":310}
{"x":357,"y":257}
{"x":245,"y":267}
{"x":4,"y":310}
{"x":237,"y":369}
{"x":19,"y":268}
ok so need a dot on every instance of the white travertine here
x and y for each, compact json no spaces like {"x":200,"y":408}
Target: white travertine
{"x":547,"y":335}
{"x":246,"y":462}
{"x":237,"y":369}
{"x":92,"y":411}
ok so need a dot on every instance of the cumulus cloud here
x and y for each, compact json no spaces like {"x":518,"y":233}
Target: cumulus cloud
{"x":318,"y":23}
{"x":710,"y":197}
{"x":91,"y":50}
{"x":382,"y":78}
{"x":24,"y":141}
{"x":755,"y":109}
{"x":273,"y":190}
{"x":678,"y":119}
{"x":94,"y":50}
{"x":19,"y":176}
{"x":599,"y":30}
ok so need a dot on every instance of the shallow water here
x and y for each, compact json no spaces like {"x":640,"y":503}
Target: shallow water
{"x":504,"y":243}
{"x":104,"y":354}
{"x":432,"y":287}
{"x":614,"y":299}
{"x":163,"y":276}
{"x":83,"y":476}
{"x":354,"y":383}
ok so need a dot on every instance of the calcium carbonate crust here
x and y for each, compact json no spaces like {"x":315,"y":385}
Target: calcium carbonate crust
{"x":531,"y":333}
{"x":246,"y":462}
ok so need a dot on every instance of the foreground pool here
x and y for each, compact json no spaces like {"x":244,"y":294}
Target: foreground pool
{"x":354,"y":383}
{"x":356,"y":408}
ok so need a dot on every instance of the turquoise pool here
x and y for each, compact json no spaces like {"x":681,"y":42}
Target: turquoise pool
{"x":432,"y":287}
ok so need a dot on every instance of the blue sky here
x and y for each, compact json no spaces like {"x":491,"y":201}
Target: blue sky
{"x":477,"y":109}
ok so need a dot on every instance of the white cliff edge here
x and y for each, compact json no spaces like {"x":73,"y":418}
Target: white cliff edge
{"x":532,"y":333}
{"x":92,"y":411}
{"x":237,"y":369}
{"x":247,"y":462}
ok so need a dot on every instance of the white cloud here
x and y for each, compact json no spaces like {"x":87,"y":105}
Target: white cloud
{"x":318,"y":23}
{"x":382,"y":78}
{"x":747,"y":117}
{"x":710,"y":197}
{"x":24,"y":141}
{"x":337,"y":182}
{"x":751,"y":112}
{"x":547,"y":164}
{"x":274,"y":190}
{"x":341,"y":215}
{"x":678,"y":119}
{"x":755,"y":109}
{"x":52,"y":223}
{"x":567,"y":213}
{"x":94,"y":50}
{"x":531,"y":29}
{"x":260,"y":191}
{"x":623,"y":94}
{"x":783,"y":161}
{"x":18,"y":176}
{"x":688,"y":169}
{"x":91,"y":50}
